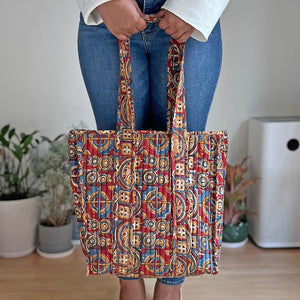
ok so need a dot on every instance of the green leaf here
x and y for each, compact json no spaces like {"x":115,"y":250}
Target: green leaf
{"x":15,"y":177}
{"x":25,"y":175}
{"x":23,"y":135}
{"x":3,"y":141}
{"x":7,"y":177}
{"x":11,"y":133}
{"x":4,"y":130}
{"x":26,"y":172}
{"x":58,"y":137}
{"x":34,"y":132}
{"x":44,"y":138}
{"x":18,"y":153}
{"x":27,"y":140}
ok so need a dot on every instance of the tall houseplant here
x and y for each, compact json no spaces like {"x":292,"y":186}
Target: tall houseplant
{"x":15,"y":150}
{"x":19,"y":197}
{"x":55,"y":228}
{"x":235,"y":231}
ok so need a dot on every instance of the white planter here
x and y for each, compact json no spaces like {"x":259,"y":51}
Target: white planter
{"x":19,"y":220}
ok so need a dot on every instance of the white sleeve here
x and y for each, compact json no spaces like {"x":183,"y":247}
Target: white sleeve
{"x":90,"y":14}
{"x":201,"y":14}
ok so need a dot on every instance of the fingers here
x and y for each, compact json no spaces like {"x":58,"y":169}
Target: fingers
{"x":122,"y":37}
{"x":163,"y":24}
{"x":159,"y":15}
{"x":183,"y":38}
{"x":127,"y":33}
{"x":122,"y":18}
{"x":145,"y":17}
{"x":169,"y":31}
{"x":174,"y":26}
{"x":141,"y":24}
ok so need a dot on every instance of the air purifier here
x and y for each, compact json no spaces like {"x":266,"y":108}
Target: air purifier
{"x":274,"y":200}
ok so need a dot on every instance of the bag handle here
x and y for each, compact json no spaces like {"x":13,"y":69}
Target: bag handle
{"x":176,"y":119}
{"x":176,"y":109}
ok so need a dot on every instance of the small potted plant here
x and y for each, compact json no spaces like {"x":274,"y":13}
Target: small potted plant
{"x":19,"y":197}
{"x":235,"y":226}
{"x":55,"y":228}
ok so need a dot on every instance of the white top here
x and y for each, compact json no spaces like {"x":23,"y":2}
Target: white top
{"x":201,"y":14}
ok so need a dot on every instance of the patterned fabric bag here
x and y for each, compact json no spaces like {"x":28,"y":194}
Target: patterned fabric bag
{"x":149,"y":203}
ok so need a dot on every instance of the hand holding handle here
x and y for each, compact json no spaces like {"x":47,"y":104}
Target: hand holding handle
{"x":122,"y":18}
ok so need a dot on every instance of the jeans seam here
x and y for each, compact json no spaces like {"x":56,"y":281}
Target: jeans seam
{"x":145,"y":42}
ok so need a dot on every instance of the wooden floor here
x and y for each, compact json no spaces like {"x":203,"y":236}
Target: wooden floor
{"x":245,"y":273}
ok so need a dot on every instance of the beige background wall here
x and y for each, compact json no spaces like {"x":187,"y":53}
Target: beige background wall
{"x":42,"y":87}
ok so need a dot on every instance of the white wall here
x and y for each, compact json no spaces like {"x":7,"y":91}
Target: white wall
{"x":41,"y":84}
{"x":261,"y":67}
{"x":42,"y":87}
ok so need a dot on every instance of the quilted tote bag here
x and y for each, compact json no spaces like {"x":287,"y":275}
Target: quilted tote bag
{"x":149,"y":203}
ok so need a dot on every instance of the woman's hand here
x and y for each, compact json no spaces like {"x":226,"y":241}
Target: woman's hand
{"x":122,"y":18}
{"x":174,"y":26}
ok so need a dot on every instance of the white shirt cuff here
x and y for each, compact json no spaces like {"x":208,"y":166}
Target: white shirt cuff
{"x":201,"y":14}
{"x":90,"y":14}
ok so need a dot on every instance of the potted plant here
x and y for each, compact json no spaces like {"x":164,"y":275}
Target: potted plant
{"x":235,"y":226}
{"x":19,"y":199}
{"x":55,"y":228}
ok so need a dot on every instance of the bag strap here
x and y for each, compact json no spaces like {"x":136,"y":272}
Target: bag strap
{"x":176,"y":110}
{"x":176,"y":121}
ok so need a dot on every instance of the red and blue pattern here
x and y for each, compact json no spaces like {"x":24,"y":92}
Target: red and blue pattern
{"x":149,"y":203}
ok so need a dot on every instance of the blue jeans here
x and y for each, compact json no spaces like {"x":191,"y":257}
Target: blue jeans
{"x":99,"y":61}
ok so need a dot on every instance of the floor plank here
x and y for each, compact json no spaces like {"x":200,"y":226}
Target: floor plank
{"x":246,"y":273}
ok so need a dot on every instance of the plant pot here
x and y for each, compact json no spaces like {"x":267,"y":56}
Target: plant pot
{"x":55,"y":242}
{"x":19,"y":220}
{"x":235,"y":235}
{"x":75,"y":231}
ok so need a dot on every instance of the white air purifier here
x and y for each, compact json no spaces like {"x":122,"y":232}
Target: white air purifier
{"x":274,"y":200}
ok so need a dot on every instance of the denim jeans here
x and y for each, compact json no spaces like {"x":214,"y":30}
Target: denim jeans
{"x":100,"y":66}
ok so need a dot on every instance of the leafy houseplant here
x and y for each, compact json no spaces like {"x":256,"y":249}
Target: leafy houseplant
{"x":15,"y":158}
{"x":53,"y":171}
{"x":19,"y":199}
{"x":235,"y":206}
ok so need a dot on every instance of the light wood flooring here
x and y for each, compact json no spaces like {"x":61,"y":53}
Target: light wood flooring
{"x":245,"y":273}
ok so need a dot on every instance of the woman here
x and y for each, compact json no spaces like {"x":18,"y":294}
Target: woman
{"x":196,"y":22}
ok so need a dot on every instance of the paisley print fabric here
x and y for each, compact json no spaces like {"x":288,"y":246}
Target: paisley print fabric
{"x":149,"y":203}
